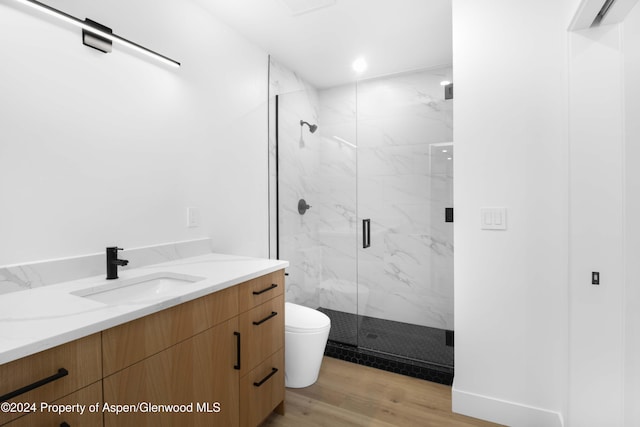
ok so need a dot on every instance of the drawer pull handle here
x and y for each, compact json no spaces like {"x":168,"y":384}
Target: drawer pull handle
{"x":273,"y":286}
{"x":61,"y":373}
{"x":237,"y":365}
{"x":64,"y":424}
{"x":265,"y":379}
{"x":273,"y":314}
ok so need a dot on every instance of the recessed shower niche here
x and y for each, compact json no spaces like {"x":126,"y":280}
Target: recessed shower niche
{"x":375,"y":251}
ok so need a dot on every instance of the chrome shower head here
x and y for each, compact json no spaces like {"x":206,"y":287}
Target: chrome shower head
{"x":312,"y":128}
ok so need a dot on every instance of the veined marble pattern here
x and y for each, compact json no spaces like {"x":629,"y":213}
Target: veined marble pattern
{"x":282,"y":80}
{"x":378,"y":153}
{"x":298,"y":161}
{"x":33,"y":275}
{"x":49,"y":316}
{"x":342,"y":295}
{"x":338,"y":234}
{"x":404,"y":182}
{"x":404,"y":110}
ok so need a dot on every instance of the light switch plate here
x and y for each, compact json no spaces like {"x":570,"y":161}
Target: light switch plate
{"x":193,"y":217}
{"x":493,"y":218}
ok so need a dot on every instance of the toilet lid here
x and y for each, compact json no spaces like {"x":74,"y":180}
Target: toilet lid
{"x":298,"y":318}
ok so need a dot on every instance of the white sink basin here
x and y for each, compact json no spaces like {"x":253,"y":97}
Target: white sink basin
{"x":138,"y":289}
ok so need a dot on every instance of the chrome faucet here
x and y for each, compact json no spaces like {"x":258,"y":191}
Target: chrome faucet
{"x":113,"y":262}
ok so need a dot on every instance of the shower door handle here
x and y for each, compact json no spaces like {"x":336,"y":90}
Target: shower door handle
{"x":366,"y":233}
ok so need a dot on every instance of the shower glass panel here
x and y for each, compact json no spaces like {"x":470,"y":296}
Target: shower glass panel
{"x":405,"y":184}
{"x":319,"y":168}
{"x":374,"y":251}
{"x":338,"y":229}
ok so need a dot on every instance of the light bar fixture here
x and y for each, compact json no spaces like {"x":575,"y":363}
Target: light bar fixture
{"x":95,"y":35}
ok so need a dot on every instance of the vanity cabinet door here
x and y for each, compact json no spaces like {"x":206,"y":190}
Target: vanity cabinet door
{"x":134,"y":341}
{"x":63,"y":370}
{"x":197,"y":373}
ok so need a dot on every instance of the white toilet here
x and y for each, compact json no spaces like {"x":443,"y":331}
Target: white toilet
{"x":305,"y":336}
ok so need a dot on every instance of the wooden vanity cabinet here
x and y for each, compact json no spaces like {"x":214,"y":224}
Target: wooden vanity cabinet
{"x":261,"y":331}
{"x":262,"y":391}
{"x":254,"y":292}
{"x":196,"y":373}
{"x":184,"y":355}
{"x":86,"y":396}
{"x":262,"y":336}
{"x":201,"y":353}
{"x":220,"y":356}
{"x":134,"y":341}
{"x":82,"y":362}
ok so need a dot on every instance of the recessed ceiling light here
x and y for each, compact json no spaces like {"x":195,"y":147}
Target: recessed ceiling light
{"x":449,"y":158}
{"x":359,"y":65}
{"x":445,"y":150}
{"x":445,"y":82}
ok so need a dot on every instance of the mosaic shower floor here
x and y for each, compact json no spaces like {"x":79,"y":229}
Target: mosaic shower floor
{"x":413,"y":350}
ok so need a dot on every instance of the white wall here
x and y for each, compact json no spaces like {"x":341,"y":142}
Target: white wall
{"x":631,"y":46}
{"x":101,"y":149}
{"x":511,"y":146}
{"x":562,"y":126}
{"x":596,"y":227}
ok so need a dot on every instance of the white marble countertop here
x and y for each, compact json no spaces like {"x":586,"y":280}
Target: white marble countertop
{"x":45,"y":317}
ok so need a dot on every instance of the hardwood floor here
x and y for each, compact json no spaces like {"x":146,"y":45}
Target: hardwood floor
{"x":347,"y":394}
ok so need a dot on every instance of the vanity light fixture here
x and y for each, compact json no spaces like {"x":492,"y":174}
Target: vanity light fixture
{"x":95,"y":35}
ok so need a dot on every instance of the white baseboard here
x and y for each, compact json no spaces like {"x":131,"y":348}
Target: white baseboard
{"x":502,"y":411}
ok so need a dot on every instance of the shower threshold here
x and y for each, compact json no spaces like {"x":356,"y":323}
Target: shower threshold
{"x":412,"y":350}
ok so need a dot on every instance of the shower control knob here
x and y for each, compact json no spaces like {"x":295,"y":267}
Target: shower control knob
{"x":302,"y":206}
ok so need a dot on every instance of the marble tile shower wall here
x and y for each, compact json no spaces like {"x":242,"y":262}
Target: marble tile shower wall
{"x":298,"y":160}
{"x":404,"y":182}
{"x":338,"y":230}
{"x":398,"y":176}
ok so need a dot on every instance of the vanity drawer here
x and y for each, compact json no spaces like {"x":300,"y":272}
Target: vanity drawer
{"x":257,"y":291}
{"x":262,"y":390}
{"x":262,"y":333}
{"x":131,"y":342}
{"x":67,"y":368}
{"x":86,"y":396}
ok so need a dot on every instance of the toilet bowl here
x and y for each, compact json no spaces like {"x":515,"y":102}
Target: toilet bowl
{"x":305,"y":336}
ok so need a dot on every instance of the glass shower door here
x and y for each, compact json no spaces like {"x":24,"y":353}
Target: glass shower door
{"x":405,"y":255}
{"x":362,"y":210}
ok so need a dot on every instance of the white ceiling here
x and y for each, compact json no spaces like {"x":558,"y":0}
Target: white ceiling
{"x":320,"y":45}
